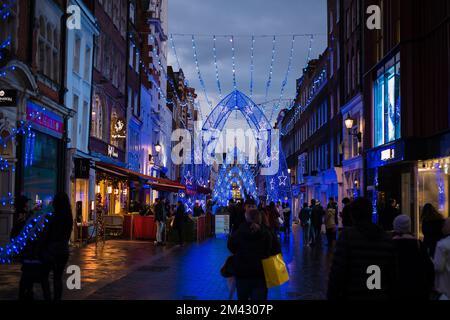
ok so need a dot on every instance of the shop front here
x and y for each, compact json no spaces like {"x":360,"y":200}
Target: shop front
{"x":41,"y":153}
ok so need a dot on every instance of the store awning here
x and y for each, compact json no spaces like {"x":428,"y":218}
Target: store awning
{"x":159,"y":184}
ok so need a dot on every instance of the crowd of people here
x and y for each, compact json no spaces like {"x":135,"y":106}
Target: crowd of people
{"x":404,"y":267}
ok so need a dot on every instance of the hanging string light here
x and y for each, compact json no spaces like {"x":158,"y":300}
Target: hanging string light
{"x":269,"y":81}
{"x":286,"y":77}
{"x":233,"y":62}
{"x":200,"y":78}
{"x":252,"y":65}
{"x":216,"y":68}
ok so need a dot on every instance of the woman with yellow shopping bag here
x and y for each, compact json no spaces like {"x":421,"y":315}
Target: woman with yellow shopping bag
{"x":250,"y":244}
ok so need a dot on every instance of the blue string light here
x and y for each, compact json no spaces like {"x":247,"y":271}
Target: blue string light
{"x":269,"y":81}
{"x":233,"y":62}
{"x":216,"y":68}
{"x":286,"y":77}
{"x":199,"y":74}
{"x":252,"y":66}
{"x":33,"y":227}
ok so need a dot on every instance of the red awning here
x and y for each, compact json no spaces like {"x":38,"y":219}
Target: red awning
{"x":159,"y":184}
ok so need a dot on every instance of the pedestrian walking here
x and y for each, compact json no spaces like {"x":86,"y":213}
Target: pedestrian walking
{"x":442,"y":262}
{"x":330,"y":223}
{"x":198,"y":210}
{"x":33,"y":269}
{"x":250,"y":244}
{"x":287,"y":218}
{"x":273,"y":217}
{"x":345,"y":214}
{"x":160,"y":218}
{"x":56,"y":241}
{"x":415,"y":270}
{"x":305,"y":221}
{"x":317,"y":214}
{"x":178,"y":223}
{"x":359,"y":247}
{"x":432,"y":223}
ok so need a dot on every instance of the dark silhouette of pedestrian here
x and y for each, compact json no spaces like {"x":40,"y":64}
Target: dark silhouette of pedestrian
{"x":415,"y":270}
{"x":33,"y":269}
{"x":317,"y":214}
{"x":432,"y":223}
{"x":305,"y":220}
{"x":345,"y":214}
{"x":388,"y":215}
{"x":56,"y":241}
{"x":360,"y":248}
{"x":178,"y":223}
{"x":250,"y":244}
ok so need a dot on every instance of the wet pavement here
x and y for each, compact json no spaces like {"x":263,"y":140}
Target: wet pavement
{"x":138,"y":270}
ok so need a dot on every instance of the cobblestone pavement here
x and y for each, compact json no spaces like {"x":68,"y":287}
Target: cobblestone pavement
{"x":139,"y":270}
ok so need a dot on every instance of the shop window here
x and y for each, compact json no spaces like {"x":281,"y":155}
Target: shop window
{"x":387,"y":104}
{"x":40,"y":167}
{"x":97,"y":118}
{"x":76,"y":55}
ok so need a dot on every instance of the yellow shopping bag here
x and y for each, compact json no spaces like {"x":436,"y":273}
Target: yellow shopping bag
{"x":275,"y":271}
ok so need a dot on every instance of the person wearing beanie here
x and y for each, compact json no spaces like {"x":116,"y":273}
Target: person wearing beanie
{"x":442,"y":262}
{"x":415,"y":276}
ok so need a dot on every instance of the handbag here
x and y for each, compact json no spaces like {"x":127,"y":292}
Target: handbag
{"x":275,"y":271}
{"x":227,"y":269}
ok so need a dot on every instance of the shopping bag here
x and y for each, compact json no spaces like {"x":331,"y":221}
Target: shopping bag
{"x":275,"y":271}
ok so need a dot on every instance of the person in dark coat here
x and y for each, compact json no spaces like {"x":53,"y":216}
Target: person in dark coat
{"x":250,"y":244}
{"x":358,"y":249}
{"x":287,"y":218}
{"x":345,"y":214}
{"x":237,"y":216}
{"x":432,"y":223}
{"x":178,"y":223}
{"x":56,"y":241}
{"x":33,"y":269}
{"x":198,"y":210}
{"x":317,"y":213}
{"x":388,"y":215}
{"x":160,"y":219}
{"x":273,"y":216}
{"x":415,"y":269}
{"x":305,"y":220}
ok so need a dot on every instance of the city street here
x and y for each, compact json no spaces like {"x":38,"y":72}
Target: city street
{"x":124,"y":270}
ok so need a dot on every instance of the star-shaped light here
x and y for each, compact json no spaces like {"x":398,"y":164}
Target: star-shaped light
{"x":272,"y":184}
{"x":188,"y":178}
{"x":282,"y":179}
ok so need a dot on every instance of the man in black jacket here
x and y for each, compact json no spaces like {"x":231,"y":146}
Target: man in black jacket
{"x":364,"y":262}
{"x":250,"y":244}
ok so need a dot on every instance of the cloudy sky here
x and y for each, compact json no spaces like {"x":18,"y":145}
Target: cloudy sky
{"x":244,"y":18}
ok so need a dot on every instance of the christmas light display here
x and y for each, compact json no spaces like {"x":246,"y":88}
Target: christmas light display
{"x":269,"y":81}
{"x":33,"y":227}
{"x":216,"y":68}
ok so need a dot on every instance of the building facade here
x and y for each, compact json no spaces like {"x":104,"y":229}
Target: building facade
{"x":405,"y":91}
{"x":34,"y":66}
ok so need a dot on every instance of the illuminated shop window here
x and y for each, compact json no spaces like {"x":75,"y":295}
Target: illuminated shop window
{"x":387,"y":103}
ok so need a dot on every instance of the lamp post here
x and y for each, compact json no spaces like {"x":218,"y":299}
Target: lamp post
{"x":157,"y":147}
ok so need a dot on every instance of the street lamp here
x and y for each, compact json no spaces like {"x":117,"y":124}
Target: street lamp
{"x":349,"y":121}
{"x":158,"y":147}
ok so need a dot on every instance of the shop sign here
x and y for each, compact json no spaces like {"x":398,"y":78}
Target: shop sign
{"x":8,"y":98}
{"x":118,"y":129}
{"x":387,"y":154}
{"x":48,"y":122}
{"x":112,"y":152}
{"x":82,"y":168}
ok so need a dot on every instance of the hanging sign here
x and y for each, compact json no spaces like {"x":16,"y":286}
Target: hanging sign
{"x":118,"y":130}
{"x":8,"y":98}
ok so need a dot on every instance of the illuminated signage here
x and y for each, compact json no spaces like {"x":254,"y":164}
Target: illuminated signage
{"x":387,"y":154}
{"x":118,"y":129}
{"x":112,"y":152}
